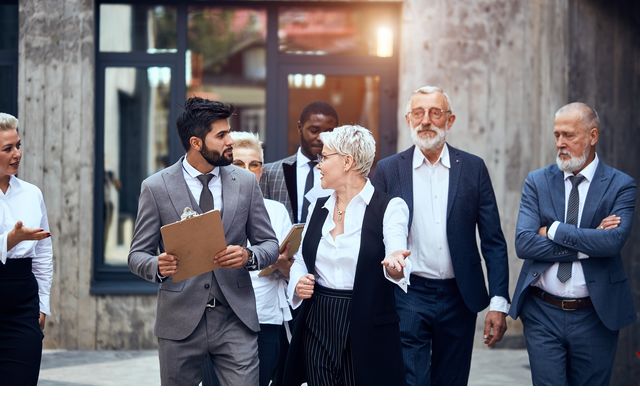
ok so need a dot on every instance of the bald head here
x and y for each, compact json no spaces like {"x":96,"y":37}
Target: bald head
{"x":585,"y":113}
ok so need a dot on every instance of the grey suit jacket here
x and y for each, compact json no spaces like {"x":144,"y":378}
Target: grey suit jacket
{"x":278,"y":183}
{"x":163,"y":197}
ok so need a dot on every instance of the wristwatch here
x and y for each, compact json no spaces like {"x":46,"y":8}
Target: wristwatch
{"x":252,"y":262}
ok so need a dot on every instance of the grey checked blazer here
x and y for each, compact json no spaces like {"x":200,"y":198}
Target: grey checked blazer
{"x":163,"y":197}
{"x":278,"y":183}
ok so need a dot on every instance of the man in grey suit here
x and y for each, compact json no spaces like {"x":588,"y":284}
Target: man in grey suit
{"x":289,"y":179}
{"x":213,"y":314}
{"x":572,"y":294}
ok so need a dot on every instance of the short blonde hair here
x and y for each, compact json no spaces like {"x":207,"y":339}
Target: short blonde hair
{"x":428,"y":90}
{"x":8,"y":122}
{"x":247,"y":140}
{"x":354,"y":141}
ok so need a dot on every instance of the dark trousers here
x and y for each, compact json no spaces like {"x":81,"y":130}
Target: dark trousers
{"x":327,"y":347}
{"x":436,"y":332}
{"x":268,"y":355}
{"x":567,"y":347}
{"x":20,"y":334}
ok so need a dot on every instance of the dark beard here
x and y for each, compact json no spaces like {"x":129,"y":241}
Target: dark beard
{"x":215,"y":158}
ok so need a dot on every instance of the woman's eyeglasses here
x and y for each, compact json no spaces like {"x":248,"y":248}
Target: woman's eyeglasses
{"x":323,"y":157}
{"x":253,"y":165}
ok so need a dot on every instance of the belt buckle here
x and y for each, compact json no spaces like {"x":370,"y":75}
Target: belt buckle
{"x":568,"y":302}
{"x":209,"y":305}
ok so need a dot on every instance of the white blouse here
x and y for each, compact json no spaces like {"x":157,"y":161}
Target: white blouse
{"x":271,"y":299}
{"x":24,"y":202}
{"x":337,"y":258}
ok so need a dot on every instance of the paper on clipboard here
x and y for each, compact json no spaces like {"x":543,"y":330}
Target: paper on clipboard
{"x":293,"y":238}
{"x":195,"y":241}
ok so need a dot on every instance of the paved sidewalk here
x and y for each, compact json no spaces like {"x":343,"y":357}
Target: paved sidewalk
{"x":125,"y":368}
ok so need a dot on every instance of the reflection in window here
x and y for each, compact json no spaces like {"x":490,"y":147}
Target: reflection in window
{"x":339,"y":31}
{"x":125,"y":28}
{"x":226,"y":61}
{"x":136,"y":144}
{"x":356,"y":98}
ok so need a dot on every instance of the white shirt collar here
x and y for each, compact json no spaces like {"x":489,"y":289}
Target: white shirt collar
{"x":301,"y":159}
{"x":194,"y":172}
{"x":14,"y":184}
{"x":588,"y":172}
{"x":419,"y":158}
{"x":365,"y":194}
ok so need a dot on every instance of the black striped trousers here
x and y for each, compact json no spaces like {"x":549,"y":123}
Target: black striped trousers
{"x":326,"y":344}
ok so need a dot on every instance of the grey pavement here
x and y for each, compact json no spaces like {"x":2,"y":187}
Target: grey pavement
{"x":126,"y":368}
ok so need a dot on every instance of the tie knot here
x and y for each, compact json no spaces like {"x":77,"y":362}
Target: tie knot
{"x":312,"y":163}
{"x":576,"y":180}
{"x":205,"y":179}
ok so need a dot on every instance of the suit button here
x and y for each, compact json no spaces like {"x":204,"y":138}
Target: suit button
{"x":206,"y":286}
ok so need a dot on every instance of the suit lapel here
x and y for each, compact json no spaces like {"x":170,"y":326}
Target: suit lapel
{"x":454,"y":177}
{"x":405,"y":174}
{"x":555,"y":178}
{"x":174,"y":179}
{"x":289,"y":173}
{"x":597,"y":190}
{"x":230,"y":195}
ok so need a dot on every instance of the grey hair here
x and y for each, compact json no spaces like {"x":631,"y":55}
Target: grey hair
{"x":428,"y":90}
{"x":247,"y":140}
{"x":354,"y":141}
{"x":589,"y":115}
{"x":8,"y":122}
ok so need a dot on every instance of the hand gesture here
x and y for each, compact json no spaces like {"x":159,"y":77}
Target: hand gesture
{"x":283,"y":263}
{"x":395,"y":262}
{"x":304,"y":287}
{"x":20,"y":233}
{"x":495,"y":325}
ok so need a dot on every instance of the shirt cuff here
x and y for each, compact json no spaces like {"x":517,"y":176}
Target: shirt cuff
{"x":499,"y":303}
{"x":582,"y":256}
{"x":3,"y":248}
{"x":552,"y":230}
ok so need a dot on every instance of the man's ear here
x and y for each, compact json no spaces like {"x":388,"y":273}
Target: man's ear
{"x":594,"y":135}
{"x":450,"y":121}
{"x":195,"y":142}
{"x":299,"y":125}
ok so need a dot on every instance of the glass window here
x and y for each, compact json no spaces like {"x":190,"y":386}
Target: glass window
{"x":125,"y":28}
{"x":356,"y":99}
{"x":226,"y":61}
{"x":7,"y":88}
{"x":136,"y":144}
{"x":336,"y":31}
{"x":9,"y":24}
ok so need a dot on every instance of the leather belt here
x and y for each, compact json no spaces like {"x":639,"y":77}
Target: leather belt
{"x":562,"y":303}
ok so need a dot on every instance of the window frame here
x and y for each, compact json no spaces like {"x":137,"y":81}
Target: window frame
{"x":9,"y":59}
{"x":118,"y":280}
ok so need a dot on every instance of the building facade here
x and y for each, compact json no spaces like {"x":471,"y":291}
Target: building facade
{"x":97,"y":86}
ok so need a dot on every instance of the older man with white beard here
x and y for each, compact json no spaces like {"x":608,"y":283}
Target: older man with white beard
{"x":449,"y":195}
{"x":572,"y":294}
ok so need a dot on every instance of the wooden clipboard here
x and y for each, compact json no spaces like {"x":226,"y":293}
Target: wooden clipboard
{"x":194,"y":241}
{"x":293,"y":238}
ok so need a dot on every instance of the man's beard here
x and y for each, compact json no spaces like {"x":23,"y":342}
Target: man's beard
{"x":215,"y":158}
{"x":429,"y":143}
{"x":573,"y":163}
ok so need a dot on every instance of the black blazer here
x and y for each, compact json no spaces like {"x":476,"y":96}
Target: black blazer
{"x":374,"y":331}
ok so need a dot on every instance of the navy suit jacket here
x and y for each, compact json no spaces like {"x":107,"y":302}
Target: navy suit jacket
{"x":471,"y":203}
{"x":543,"y":202}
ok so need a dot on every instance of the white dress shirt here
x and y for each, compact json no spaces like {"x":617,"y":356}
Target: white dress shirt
{"x":271,"y":290}
{"x":195,"y":186}
{"x":428,"y":243}
{"x":24,"y":202}
{"x":574,"y":287}
{"x":336,"y":259}
{"x":302,"y":170}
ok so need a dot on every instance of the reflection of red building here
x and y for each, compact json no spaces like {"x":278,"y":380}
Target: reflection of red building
{"x":327,"y":32}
